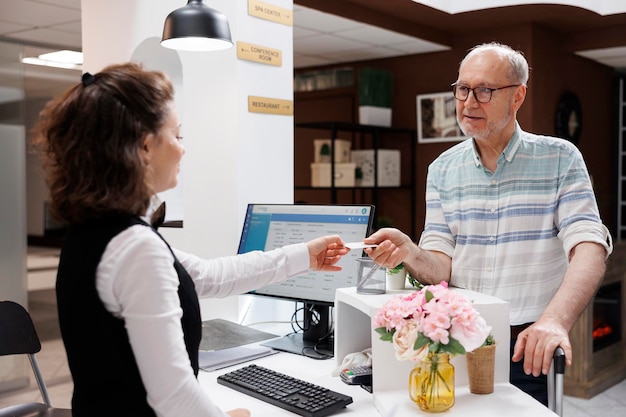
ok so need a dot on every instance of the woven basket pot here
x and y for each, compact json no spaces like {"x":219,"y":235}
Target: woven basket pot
{"x":480,"y":369}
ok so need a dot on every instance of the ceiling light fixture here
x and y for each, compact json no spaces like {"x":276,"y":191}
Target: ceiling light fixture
{"x":196,"y":27}
{"x":58,"y":59}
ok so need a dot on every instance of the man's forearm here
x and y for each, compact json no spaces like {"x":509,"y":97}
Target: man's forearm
{"x":429,"y":267}
{"x":582,"y":279}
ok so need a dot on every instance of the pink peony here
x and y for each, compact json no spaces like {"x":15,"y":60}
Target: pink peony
{"x":471,"y":336}
{"x":446,"y":319}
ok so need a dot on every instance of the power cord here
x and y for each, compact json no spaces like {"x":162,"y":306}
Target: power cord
{"x":320,"y":348}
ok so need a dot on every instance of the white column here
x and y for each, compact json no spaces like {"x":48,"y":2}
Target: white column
{"x":233,"y":157}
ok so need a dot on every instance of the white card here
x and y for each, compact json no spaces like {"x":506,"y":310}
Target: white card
{"x":358,"y":245}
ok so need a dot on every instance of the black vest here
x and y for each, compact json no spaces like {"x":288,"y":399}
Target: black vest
{"x":106,"y":378}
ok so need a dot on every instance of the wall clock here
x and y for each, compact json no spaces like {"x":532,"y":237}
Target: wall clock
{"x":569,"y":118}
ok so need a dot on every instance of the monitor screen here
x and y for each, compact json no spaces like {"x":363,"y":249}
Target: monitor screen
{"x":270,"y":226}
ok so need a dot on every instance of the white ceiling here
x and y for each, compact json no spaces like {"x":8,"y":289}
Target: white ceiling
{"x":319,"y":38}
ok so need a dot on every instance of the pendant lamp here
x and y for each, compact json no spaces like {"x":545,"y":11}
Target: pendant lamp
{"x":196,"y":27}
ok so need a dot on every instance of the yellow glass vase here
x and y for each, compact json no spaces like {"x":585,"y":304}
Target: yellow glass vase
{"x":431,"y":383}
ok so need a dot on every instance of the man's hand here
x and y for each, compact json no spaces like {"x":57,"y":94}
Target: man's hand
{"x":394,"y":247}
{"x":582,"y":278}
{"x":537,"y":344}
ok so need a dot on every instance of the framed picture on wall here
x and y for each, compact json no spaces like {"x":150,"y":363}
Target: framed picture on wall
{"x":436,"y":118}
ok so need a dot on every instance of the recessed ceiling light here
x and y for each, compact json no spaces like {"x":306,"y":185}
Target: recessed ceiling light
{"x":59,"y":59}
{"x":65,"y":56}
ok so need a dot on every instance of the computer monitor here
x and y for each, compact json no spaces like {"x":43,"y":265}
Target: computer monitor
{"x":270,"y":226}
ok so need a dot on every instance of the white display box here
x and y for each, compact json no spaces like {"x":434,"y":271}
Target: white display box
{"x":375,"y":116}
{"x":344,"y":174}
{"x":388,"y":167}
{"x":342,"y":150}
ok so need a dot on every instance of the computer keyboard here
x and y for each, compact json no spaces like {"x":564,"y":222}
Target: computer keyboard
{"x":289,"y":393}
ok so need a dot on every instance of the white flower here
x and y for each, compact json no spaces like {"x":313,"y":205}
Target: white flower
{"x":403,"y":341}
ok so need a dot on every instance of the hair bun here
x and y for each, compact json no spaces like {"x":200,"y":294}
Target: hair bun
{"x":88,"y":79}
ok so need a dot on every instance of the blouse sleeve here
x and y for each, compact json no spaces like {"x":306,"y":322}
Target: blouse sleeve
{"x":229,"y":275}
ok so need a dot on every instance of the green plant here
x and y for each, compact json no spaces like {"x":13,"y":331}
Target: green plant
{"x":489,"y":340}
{"x":414,"y":282}
{"x":396,"y":269}
{"x":375,"y":87}
{"x":325,"y":149}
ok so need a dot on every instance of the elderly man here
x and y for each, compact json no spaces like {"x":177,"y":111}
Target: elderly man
{"x":510,"y":214}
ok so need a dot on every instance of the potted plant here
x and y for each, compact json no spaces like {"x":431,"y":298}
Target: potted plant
{"x":325,"y":153}
{"x":396,"y":277}
{"x":375,"y":96}
{"x":481,"y":367}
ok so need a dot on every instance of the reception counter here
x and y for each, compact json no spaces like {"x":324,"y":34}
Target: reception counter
{"x":389,"y":396}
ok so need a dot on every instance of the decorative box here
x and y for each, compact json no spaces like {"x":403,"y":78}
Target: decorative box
{"x":344,"y":174}
{"x":342,"y":150}
{"x":388,"y":167}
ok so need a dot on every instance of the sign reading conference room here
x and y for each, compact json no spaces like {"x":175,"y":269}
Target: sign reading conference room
{"x":260,"y":54}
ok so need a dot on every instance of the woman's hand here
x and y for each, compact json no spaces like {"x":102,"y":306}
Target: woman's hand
{"x":239,"y":412}
{"x":325,"y":252}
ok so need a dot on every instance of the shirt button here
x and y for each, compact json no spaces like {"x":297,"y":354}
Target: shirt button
{"x":492,"y":238}
{"x":493,"y":182}
{"x":493,"y":210}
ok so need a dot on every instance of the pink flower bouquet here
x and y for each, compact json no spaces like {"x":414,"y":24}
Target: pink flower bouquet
{"x":434,"y":319}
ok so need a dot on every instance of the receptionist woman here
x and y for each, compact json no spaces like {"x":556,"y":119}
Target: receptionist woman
{"x":127,"y":301}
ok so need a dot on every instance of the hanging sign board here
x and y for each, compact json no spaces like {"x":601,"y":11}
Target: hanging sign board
{"x":270,"y":12}
{"x":270,"y":105}
{"x":260,"y":54}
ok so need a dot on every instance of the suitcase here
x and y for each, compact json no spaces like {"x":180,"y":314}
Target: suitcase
{"x":555,"y":381}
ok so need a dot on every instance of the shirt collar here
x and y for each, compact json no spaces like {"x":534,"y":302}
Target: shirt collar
{"x":514,"y":143}
{"x":477,"y":160}
{"x":155,"y":202}
{"x":509,"y":150}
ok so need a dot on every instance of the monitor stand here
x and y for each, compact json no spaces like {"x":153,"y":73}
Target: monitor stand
{"x":309,"y":343}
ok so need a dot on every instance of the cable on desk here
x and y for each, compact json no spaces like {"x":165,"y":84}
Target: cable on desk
{"x":325,"y":340}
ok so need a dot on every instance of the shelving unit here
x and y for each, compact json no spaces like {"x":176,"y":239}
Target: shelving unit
{"x":374,"y":136}
{"x":621,"y":163}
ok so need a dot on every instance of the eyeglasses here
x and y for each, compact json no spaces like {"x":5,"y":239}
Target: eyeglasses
{"x":481,"y":94}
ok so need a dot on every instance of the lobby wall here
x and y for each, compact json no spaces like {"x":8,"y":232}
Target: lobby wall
{"x":553,"y":72}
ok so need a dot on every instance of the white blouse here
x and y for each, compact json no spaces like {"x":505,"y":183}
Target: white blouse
{"x":137,"y":282}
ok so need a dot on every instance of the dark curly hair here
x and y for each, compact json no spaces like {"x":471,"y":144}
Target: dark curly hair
{"x":90,"y":139}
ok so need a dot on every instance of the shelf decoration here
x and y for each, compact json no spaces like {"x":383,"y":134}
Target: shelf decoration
{"x":375,"y":96}
{"x":436,"y":118}
{"x":323,"y":79}
{"x":388,"y":165}
{"x":322,"y":148}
